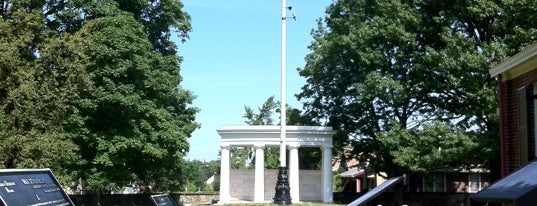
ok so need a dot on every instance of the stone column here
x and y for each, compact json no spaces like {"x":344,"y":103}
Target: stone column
{"x":259,"y":190}
{"x":294,"y":184}
{"x":224,"y":175}
{"x":327,"y":174}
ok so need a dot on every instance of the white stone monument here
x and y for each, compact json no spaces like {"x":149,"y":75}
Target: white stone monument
{"x":261,"y":137}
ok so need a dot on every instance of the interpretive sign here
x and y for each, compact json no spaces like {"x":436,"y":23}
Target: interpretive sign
{"x":31,"y":187}
{"x":162,"y":200}
{"x":362,"y":200}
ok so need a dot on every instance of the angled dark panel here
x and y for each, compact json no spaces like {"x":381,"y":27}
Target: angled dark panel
{"x":162,"y":200}
{"x":519,"y":188}
{"x":376,"y":191}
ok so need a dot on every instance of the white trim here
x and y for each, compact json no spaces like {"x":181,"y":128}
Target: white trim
{"x":516,"y":62}
{"x":302,"y":136}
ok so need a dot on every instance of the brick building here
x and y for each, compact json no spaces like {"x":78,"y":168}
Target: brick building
{"x":517,"y":91}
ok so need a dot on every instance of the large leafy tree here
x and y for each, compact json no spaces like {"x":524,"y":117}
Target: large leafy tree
{"x":136,"y":116}
{"x":386,"y":72}
{"x":91,"y":89}
{"x":40,"y":77}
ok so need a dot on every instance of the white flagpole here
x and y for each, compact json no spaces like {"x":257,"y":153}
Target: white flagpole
{"x":283,"y":109}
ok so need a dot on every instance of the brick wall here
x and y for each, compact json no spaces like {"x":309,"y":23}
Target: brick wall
{"x":510,"y":120}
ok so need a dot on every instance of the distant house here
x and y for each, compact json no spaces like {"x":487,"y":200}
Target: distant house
{"x":357,"y":178}
{"x":450,"y":180}
{"x":517,"y":89}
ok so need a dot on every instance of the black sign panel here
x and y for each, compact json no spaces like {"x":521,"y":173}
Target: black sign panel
{"x":31,"y":187}
{"x":362,"y":200}
{"x":162,"y":200}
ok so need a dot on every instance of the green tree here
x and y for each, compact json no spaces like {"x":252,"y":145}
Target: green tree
{"x":390,"y":69}
{"x":196,"y":172}
{"x":136,"y":117}
{"x":264,"y":115}
{"x":436,"y":145}
{"x":97,"y":84}
{"x":159,"y":18}
{"x":39,"y":77}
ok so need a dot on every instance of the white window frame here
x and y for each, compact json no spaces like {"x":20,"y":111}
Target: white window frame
{"x":479,"y":186}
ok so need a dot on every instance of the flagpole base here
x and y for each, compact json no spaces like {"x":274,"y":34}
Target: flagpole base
{"x":282,"y":195}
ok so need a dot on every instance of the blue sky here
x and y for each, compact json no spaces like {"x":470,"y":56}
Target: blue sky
{"x":232,"y":60}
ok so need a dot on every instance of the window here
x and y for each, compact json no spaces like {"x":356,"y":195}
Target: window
{"x":435,"y":183}
{"x":439,"y":182}
{"x":474,"y":182}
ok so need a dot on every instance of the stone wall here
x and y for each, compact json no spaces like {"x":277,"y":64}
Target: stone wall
{"x":271,"y":176}
{"x":242,"y":185}
{"x":142,"y":199}
{"x":310,"y":182}
{"x":197,"y":199}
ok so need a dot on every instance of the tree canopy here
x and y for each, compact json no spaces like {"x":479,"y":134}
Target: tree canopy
{"x":91,"y":90}
{"x":388,"y":73}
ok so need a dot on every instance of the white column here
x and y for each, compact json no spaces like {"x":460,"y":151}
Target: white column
{"x":224,"y":175}
{"x":259,"y":190}
{"x":327,"y":174}
{"x":294,"y":174}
